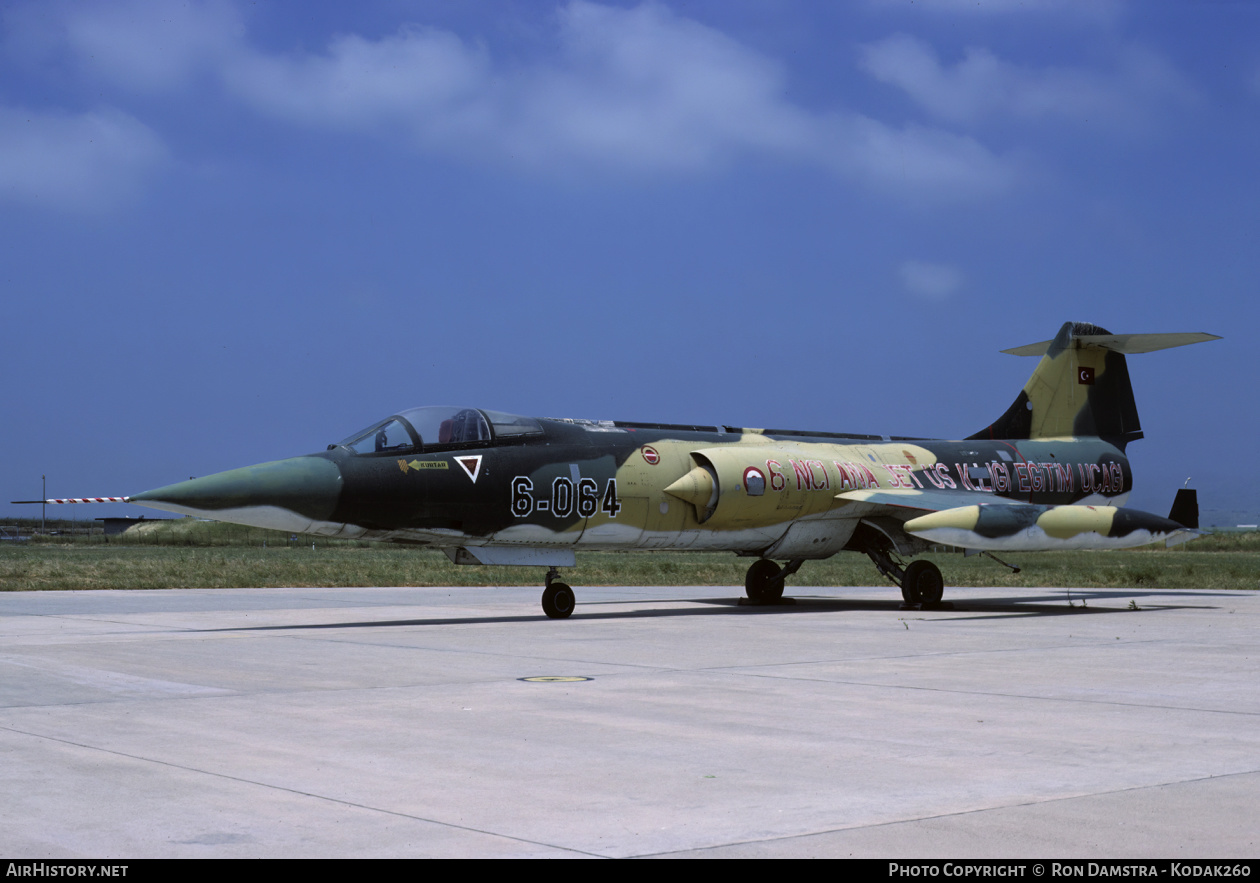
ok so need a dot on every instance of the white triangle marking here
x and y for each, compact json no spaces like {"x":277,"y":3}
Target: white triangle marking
{"x":470,"y":465}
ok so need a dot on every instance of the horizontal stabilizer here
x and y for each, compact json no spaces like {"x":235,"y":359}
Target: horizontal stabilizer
{"x":1128,"y":344}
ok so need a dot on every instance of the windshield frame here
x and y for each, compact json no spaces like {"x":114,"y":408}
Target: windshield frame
{"x":357,"y":438}
{"x":491,"y":427}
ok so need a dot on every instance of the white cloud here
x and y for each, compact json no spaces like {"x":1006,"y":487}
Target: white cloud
{"x":417,"y":78}
{"x":645,"y":87}
{"x":917,"y":159}
{"x":79,"y":162}
{"x":929,"y":281}
{"x":625,"y":90}
{"x":152,"y":45}
{"x":631,"y":89}
{"x":1100,"y":11}
{"x":982,"y":85}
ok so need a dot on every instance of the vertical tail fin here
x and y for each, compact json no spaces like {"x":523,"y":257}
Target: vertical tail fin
{"x":1081,"y":386}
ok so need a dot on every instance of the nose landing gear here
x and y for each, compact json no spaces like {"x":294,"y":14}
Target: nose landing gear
{"x":558,"y":599}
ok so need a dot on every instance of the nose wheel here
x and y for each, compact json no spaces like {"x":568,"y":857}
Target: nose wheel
{"x":558,"y":599}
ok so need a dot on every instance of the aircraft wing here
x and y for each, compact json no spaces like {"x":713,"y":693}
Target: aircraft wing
{"x":984,"y":521}
{"x":926,"y":500}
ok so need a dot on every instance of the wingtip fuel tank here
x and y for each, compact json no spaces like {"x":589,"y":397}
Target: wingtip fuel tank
{"x":997,"y":528}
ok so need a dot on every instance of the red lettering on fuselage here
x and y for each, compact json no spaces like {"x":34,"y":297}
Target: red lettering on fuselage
{"x":896,"y":477}
{"x":1065,"y":477}
{"x":1035,"y":476}
{"x":777,"y":481}
{"x":867,"y":475}
{"x":933,"y":476}
{"x":964,"y":477}
{"x":1021,"y":478}
{"x":806,"y":479}
{"x":846,"y":476}
{"x":999,"y":477}
{"x":852,"y":475}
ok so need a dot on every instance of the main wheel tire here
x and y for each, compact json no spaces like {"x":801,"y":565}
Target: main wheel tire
{"x":558,"y":601}
{"x":764,"y":581}
{"x":910,"y":590}
{"x":923,"y":583}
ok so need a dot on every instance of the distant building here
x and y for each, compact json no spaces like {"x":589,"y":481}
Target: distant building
{"x":115,"y":526}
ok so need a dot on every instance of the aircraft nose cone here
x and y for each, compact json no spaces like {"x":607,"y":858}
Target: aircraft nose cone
{"x":284,"y":494}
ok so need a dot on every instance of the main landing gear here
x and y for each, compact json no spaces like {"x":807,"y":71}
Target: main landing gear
{"x":764,"y":580}
{"x":558,"y":599}
{"x":921,"y":582}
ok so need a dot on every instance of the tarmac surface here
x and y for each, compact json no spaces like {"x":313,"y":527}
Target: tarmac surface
{"x":395,"y":722}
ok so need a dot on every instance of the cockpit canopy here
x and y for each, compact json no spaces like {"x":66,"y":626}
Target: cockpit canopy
{"x":439,"y":428}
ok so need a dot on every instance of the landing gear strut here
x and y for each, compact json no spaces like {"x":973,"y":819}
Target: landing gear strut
{"x":558,"y":599}
{"x":764,"y":580}
{"x":921,"y":582}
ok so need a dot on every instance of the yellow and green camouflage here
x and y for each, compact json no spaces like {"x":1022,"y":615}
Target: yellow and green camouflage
{"x":489,"y":487}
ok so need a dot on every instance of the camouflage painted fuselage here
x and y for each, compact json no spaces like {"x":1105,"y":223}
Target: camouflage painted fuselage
{"x":601,"y":486}
{"x":496,"y":488}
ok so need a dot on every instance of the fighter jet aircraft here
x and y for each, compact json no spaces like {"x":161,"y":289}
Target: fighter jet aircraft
{"x":494,"y":488}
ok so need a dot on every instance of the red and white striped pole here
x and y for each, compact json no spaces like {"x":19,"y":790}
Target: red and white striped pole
{"x":43,"y":503}
{"x":88,"y":500}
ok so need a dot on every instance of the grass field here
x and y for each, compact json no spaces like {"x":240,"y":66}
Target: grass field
{"x":185,"y":553}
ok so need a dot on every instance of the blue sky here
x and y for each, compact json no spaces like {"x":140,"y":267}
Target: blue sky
{"x":235,"y":232}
